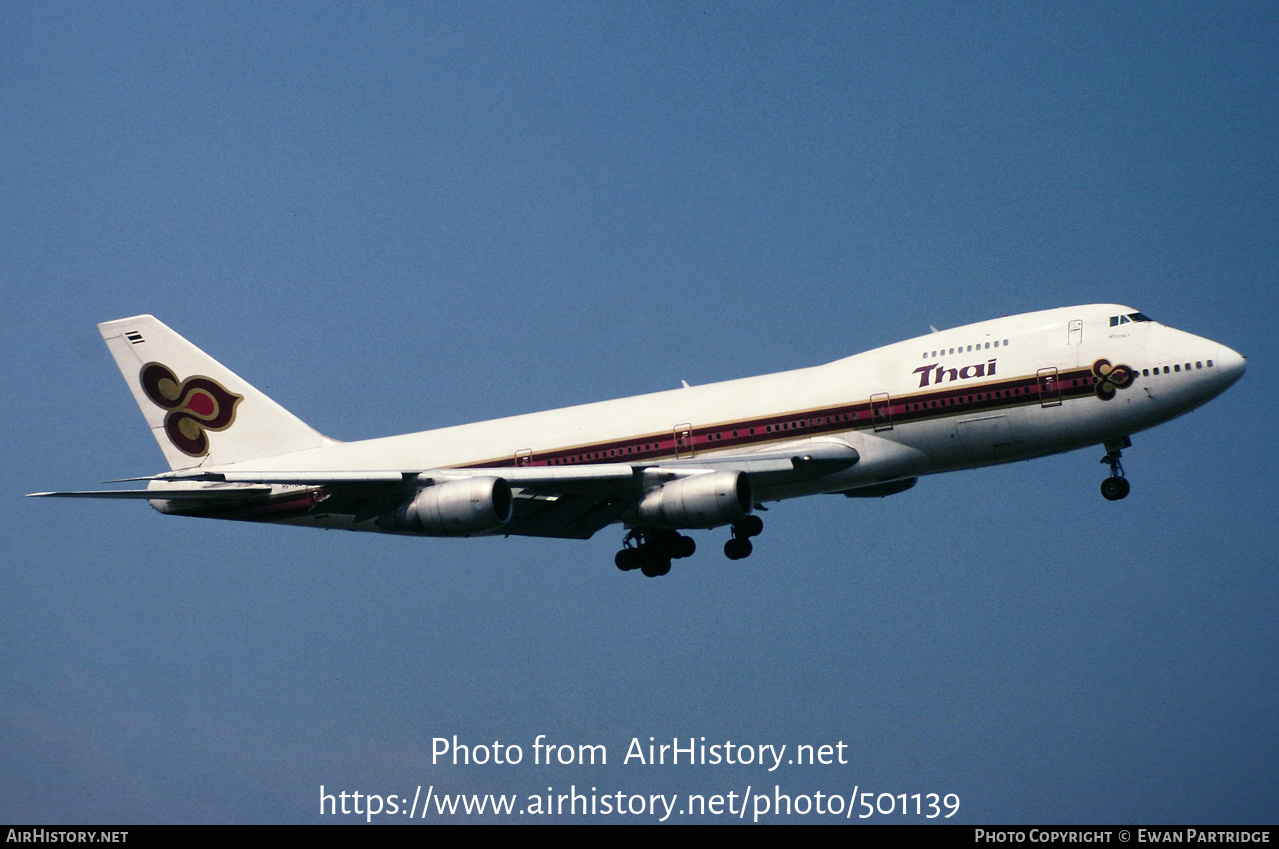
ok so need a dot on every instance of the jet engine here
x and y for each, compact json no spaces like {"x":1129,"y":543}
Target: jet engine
{"x":700,"y":501}
{"x":456,"y":508}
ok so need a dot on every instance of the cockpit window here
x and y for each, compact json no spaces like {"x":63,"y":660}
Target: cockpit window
{"x":1116,"y":320}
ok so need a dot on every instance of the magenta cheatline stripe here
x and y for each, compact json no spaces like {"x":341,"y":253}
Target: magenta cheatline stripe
{"x":916,"y":407}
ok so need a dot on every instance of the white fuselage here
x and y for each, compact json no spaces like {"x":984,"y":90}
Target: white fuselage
{"x":992,"y":392}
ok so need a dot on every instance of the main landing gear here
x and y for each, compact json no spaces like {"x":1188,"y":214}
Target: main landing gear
{"x":1115,"y":487}
{"x":739,"y":546}
{"x":651,"y":550}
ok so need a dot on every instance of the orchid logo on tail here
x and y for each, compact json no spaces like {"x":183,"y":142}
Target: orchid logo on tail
{"x":195,"y":405}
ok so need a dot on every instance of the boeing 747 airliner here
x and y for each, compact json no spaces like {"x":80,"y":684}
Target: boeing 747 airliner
{"x":692,"y":458}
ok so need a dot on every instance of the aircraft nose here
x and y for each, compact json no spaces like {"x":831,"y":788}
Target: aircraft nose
{"x":1232,"y":364}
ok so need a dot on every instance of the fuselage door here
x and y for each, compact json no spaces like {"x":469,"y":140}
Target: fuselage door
{"x":1075,"y":334}
{"x":880,"y":413}
{"x":1049,"y":388}
{"x":683,"y":440}
{"x":524,"y":457}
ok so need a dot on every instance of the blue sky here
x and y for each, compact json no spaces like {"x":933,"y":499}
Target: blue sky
{"x":399,"y":216}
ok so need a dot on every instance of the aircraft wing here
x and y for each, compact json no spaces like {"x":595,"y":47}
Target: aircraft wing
{"x":207,"y":495}
{"x":551,"y":501}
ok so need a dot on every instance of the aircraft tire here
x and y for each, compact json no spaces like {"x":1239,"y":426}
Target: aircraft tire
{"x":1114,"y":489}
{"x":656,"y":567}
{"x":738,"y":548}
{"x":627,"y":559}
{"x":751,"y":526}
{"x":684,"y":546}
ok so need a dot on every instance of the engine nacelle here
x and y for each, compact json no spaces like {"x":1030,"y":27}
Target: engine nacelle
{"x":700,"y":501}
{"x":457,"y":508}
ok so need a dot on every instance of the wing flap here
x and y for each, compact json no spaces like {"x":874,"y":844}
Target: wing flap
{"x":162,"y":494}
{"x":539,"y":478}
{"x":567,"y":517}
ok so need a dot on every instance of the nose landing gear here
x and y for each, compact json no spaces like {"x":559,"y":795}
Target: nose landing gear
{"x":1115,"y":487}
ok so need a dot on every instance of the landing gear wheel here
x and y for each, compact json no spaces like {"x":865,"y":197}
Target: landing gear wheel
{"x":739,"y":546}
{"x":1113,"y":489}
{"x":656,"y":567}
{"x":651,"y":550}
{"x":627,"y":559}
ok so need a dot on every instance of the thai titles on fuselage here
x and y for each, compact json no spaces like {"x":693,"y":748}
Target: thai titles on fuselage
{"x":936,"y":373}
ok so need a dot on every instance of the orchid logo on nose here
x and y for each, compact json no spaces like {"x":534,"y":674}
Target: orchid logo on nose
{"x":1110,"y":378}
{"x":195,"y":405}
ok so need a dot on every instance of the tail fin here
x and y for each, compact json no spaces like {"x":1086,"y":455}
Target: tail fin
{"x":199,"y":411}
